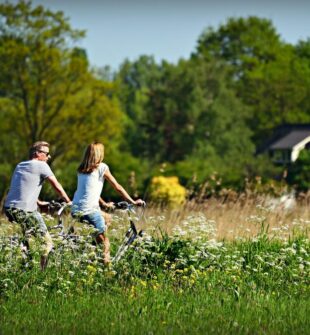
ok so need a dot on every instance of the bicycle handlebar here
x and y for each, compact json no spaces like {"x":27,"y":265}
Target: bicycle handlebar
{"x":62,"y":205}
{"x":58,"y":205}
{"x":125,"y":205}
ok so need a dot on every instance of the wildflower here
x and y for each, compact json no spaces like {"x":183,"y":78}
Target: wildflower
{"x":91,"y":269}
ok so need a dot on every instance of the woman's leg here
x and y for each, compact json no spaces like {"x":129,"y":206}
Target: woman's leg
{"x":107,"y":217}
{"x":97,"y":220}
{"x":104,"y":240}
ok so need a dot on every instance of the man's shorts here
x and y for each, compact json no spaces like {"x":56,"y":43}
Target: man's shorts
{"x":31,"y":222}
{"x":95,"y":219}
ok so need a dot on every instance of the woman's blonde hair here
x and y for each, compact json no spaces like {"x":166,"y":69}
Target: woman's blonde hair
{"x":93,"y":156}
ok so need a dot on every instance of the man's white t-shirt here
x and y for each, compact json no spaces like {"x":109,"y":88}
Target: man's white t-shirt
{"x":89,"y":188}
{"x":26,"y":184}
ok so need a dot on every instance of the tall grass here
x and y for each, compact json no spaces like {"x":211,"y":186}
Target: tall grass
{"x":218,"y":267}
{"x":241,"y":217}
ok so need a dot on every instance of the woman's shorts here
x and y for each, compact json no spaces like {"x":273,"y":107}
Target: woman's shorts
{"x":95,"y":219}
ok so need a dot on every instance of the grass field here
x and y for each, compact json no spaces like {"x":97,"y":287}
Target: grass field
{"x":189,"y":274}
{"x":198,"y":310}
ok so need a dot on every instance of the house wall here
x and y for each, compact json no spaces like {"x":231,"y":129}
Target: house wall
{"x":298,"y":147}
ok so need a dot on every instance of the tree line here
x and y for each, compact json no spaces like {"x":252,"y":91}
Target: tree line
{"x":206,"y":115}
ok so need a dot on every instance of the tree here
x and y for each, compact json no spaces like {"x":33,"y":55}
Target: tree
{"x":134,"y":80}
{"x":302,"y":50}
{"x":160,"y":105}
{"x":278,"y":92}
{"x":187,"y":116}
{"x":173,"y":106}
{"x":47,"y":91}
{"x":299,"y":172}
{"x":270,"y":76}
{"x":243,"y":43}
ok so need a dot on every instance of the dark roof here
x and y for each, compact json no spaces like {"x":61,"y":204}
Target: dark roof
{"x":291,"y":139}
{"x":279,"y":132}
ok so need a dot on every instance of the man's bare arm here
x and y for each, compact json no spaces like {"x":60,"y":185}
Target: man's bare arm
{"x":107,"y":205}
{"x":58,"y":188}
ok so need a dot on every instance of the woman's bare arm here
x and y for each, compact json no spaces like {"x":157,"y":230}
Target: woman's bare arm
{"x":120,"y":189}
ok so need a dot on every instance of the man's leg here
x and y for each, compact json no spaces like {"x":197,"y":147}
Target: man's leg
{"x":20,"y":217}
{"x":45,"y":238}
{"x":48,"y":246}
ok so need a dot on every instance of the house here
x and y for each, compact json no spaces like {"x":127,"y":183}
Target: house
{"x":287,"y":143}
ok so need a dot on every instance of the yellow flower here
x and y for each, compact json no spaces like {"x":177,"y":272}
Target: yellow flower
{"x":91,"y":269}
{"x":167,"y":190}
{"x":143,"y":283}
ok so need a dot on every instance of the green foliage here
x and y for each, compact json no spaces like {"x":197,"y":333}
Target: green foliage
{"x":157,"y":275}
{"x":278,"y":91}
{"x":302,"y":50}
{"x":5,"y":174}
{"x":187,"y":114}
{"x":157,"y":311}
{"x":67,"y":173}
{"x":270,"y":76}
{"x":47,"y":91}
{"x":134,"y":80}
{"x":131,"y":172}
{"x":243,"y":43}
{"x":203,"y":116}
{"x":299,"y":171}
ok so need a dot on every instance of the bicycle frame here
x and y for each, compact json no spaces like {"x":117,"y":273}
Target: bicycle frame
{"x":131,"y":235}
{"x":66,"y":238}
{"x":60,"y":225}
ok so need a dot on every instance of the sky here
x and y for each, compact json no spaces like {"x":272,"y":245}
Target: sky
{"x":168,"y":29}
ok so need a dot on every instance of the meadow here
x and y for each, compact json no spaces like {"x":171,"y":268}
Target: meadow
{"x":216,"y":267}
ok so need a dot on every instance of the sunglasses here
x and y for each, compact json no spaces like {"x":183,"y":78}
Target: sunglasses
{"x":44,"y":152}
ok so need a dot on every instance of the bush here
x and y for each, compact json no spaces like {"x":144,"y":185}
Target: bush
{"x":299,"y":172}
{"x":167,"y":190}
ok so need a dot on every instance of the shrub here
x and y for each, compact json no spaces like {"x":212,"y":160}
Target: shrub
{"x":299,"y":172}
{"x":167,"y":190}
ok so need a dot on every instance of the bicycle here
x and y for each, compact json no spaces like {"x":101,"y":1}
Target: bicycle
{"x":70,"y":235}
{"x":130,"y":236}
{"x":132,"y":233}
{"x":67,"y":238}
{"x":18,"y":245}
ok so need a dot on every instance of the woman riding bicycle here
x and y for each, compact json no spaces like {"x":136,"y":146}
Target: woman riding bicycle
{"x":85,"y":205}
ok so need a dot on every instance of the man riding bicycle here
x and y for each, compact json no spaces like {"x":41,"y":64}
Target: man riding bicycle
{"x":22,"y":199}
